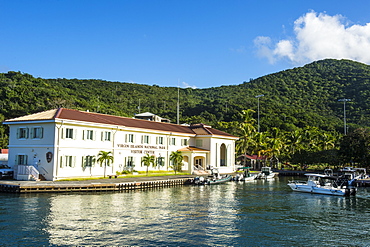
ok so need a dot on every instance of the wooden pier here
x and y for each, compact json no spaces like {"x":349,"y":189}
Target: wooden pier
{"x":86,"y":186}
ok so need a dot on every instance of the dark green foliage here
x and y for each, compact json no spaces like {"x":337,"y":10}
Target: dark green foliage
{"x":295,"y":98}
{"x":355,"y":147}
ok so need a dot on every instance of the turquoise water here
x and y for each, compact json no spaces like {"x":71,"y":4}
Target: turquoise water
{"x":257,"y":213}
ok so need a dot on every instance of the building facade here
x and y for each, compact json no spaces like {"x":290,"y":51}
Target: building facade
{"x":64,"y":143}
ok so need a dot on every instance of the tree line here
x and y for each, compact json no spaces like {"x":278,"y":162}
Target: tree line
{"x":303,"y":146}
{"x":297,"y":103}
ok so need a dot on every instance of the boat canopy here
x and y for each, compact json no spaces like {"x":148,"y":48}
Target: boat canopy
{"x":320,"y":175}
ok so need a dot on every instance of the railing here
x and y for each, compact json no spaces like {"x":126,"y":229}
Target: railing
{"x":198,"y":167}
{"x":28,"y":170}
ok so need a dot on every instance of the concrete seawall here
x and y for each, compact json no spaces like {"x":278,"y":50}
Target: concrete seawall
{"x":116,"y":184}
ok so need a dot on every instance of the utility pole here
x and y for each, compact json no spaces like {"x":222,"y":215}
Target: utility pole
{"x":258,"y":110}
{"x":344,"y":114}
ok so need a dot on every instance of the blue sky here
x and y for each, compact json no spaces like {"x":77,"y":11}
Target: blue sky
{"x":196,"y":43}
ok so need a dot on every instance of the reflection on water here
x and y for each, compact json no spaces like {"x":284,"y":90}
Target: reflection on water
{"x":256,"y":213}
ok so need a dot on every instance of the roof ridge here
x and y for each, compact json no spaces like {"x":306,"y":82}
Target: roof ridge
{"x":57,"y":113}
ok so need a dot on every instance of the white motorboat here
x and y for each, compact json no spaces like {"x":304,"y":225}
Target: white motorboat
{"x":323,"y":184}
{"x":353,"y":173}
{"x":246,"y":175}
{"x":266,"y":173}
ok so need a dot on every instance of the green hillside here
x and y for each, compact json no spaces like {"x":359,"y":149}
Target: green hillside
{"x":295,"y":98}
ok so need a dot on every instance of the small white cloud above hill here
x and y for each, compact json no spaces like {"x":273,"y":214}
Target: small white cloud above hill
{"x":186,"y":85}
{"x":319,"y":36}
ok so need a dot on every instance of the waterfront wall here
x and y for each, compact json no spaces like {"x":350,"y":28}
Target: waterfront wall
{"x":89,"y":187}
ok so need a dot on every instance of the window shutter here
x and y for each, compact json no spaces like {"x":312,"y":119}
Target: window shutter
{"x":83,"y":134}
{"x":62,"y":133}
{"x":93,"y":161}
{"x":27,"y":132}
{"x":41,"y":132}
{"x":61,"y":162}
{"x":126,"y":138}
{"x":142,"y":139}
{"x":25,"y":159}
{"x":83,"y":161}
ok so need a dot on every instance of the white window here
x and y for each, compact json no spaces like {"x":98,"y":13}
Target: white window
{"x":69,"y":133}
{"x":160,"y":140}
{"x":89,"y":135}
{"x":130,"y":161}
{"x":145,"y":139}
{"x":130,"y":138}
{"x":37,"y":132}
{"x":88,"y":161}
{"x":160,"y":161}
{"x":22,"y":133}
{"x":67,"y":161}
{"x":199,"y":143}
{"x":173,"y":141}
{"x":184,"y":142}
{"x":106,"y":136}
{"x":21,"y":159}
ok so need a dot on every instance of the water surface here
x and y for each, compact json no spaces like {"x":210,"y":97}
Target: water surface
{"x":256,"y":213}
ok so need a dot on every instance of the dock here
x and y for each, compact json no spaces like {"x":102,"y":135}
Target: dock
{"x":100,"y":185}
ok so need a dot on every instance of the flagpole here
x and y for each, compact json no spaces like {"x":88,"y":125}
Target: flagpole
{"x":178,"y":104}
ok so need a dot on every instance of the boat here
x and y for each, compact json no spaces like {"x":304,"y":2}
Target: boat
{"x":353,"y":173}
{"x":245,"y":176}
{"x":266,"y":173}
{"x":215,"y":178}
{"x":211,"y":180}
{"x":219,"y":180}
{"x":323,"y":184}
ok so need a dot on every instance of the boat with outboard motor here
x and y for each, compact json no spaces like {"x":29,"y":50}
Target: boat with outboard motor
{"x":215,"y":178}
{"x":266,"y":173}
{"x":246,"y":175}
{"x":211,"y":180}
{"x":324,"y":184}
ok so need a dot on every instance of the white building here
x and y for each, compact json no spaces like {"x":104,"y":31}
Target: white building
{"x":64,"y":143}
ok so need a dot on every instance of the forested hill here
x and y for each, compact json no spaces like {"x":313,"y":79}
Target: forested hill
{"x":299,"y":97}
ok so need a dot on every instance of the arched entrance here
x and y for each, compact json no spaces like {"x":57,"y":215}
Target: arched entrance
{"x":185,"y":163}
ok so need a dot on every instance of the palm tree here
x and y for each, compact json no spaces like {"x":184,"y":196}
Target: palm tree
{"x":105,"y":157}
{"x":275,"y":145}
{"x":245,"y":131}
{"x":176,"y":158}
{"x":293,"y":142}
{"x":147,"y":160}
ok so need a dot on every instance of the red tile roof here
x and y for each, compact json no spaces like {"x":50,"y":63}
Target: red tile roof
{"x":192,"y":149}
{"x":63,"y":113}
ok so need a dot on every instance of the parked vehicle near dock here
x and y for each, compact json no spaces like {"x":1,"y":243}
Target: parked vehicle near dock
{"x":323,"y":184}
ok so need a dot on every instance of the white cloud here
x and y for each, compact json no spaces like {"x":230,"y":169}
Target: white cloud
{"x":186,"y":85}
{"x":319,"y":36}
